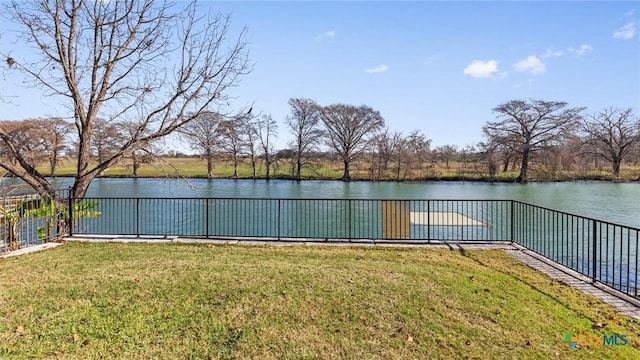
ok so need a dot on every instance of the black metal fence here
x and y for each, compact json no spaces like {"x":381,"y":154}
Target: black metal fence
{"x":31,"y":219}
{"x":602,"y":250}
{"x":313,"y":219}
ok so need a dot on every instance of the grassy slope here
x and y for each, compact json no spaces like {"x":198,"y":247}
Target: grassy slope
{"x":186,"y":301}
{"x":193,"y":167}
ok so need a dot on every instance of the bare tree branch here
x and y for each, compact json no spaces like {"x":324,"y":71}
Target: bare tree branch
{"x":303,"y":124}
{"x":349,"y":130}
{"x":611,"y":134}
{"x":153,"y":64}
{"x":526,"y":127}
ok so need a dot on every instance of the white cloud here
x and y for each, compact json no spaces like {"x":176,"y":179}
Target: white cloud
{"x":626,"y":32}
{"x":553,"y":53}
{"x":327,"y":35}
{"x":432,"y":59}
{"x":378,"y":69}
{"x":531,"y":64}
{"x":481,"y":69}
{"x":583,"y":49}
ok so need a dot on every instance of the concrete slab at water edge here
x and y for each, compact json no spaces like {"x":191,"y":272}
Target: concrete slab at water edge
{"x":443,"y":218}
{"x":30,"y":249}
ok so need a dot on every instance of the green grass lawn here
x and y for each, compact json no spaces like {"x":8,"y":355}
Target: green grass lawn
{"x":193,"y":167}
{"x":115,"y":300}
{"x":332,"y":170}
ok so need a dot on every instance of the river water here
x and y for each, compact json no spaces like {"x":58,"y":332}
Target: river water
{"x":613,"y":202}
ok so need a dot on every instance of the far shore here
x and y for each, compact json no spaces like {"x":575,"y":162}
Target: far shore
{"x":196,"y":168}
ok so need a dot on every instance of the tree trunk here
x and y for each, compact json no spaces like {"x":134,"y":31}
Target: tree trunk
{"x":493,"y":168}
{"x":253,"y":166}
{"x":616,"y":168}
{"x":136,"y":166}
{"x":267,"y":164}
{"x":235,"y":167}
{"x":54,"y":164}
{"x":505,"y":165}
{"x":298,"y":176}
{"x":346,"y":176}
{"x":209,"y":167}
{"x":81,"y":186}
{"x":522,"y":178}
{"x":83,"y":178}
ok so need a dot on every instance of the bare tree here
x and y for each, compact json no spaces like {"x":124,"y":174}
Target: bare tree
{"x":488,"y":156}
{"x":386,"y":146}
{"x":106,"y":139}
{"x":446,"y":153}
{"x":249,"y":138}
{"x":267,"y":129}
{"x":35,"y":139}
{"x":54,"y":135}
{"x":146,"y":152}
{"x":526,"y":127}
{"x":349,"y":130}
{"x":611,"y":134}
{"x":203,"y":136}
{"x":468,"y":153}
{"x":231,"y":140}
{"x":303,"y":123}
{"x":20,"y":146}
{"x":119,"y":59}
{"x":414,"y":153}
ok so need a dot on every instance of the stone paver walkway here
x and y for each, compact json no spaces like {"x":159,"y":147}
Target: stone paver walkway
{"x":618,"y":300}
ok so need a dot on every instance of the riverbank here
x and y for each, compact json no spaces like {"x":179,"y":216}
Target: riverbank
{"x":360,"y":171}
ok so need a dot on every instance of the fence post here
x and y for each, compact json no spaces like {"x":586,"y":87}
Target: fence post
{"x":349,"y":216}
{"x":278,"y":219}
{"x":594,"y":256}
{"x":428,"y":220}
{"x":206,"y":218}
{"x":137,"y":217}
{"x":70,"y":215}
{"x":512,"y":221}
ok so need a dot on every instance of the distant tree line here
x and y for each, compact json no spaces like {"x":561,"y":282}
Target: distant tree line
{"x":551,"y":135}
{"x":559,"y":136}
{"x":547,"y":133}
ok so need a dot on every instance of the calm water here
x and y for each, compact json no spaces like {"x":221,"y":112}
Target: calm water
{"x":614,"y":202}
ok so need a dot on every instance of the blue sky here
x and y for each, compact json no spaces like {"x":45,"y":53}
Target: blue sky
{"x":439,"y":67}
